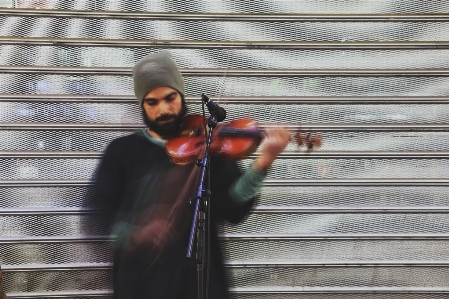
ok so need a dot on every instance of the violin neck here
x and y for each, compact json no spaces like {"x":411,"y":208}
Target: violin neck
{"x":232,"y":132}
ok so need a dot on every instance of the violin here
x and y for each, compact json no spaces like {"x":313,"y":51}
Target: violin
{"x":236,"y":139}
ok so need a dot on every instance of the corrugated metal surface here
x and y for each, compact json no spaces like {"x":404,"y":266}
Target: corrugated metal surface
{"x":364,"y":217}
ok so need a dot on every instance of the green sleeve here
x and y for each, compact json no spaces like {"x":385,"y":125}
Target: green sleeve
{"x":247,"y":185}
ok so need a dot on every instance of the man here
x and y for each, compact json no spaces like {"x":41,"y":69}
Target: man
{"x":146,"y":197}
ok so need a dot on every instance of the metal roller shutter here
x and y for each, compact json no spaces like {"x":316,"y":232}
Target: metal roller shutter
{"x":366,"y":216}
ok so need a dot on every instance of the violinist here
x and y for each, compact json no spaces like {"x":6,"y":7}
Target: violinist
{"x":146,"y":197}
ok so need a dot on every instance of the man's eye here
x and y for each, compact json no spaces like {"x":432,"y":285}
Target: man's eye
{"x":151,"y":103}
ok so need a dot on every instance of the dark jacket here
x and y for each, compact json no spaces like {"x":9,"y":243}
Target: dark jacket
{"x":136,"y":183}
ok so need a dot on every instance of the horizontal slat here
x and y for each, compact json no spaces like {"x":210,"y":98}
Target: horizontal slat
{"x":276,"y":59}
{"x":339,"y":263}
{"x":25,"y":195}
{"x":57,"y":267}
{"x":192,"y":44}
{"x":73,"y":126}
{"x":52,"y":225}
{"x":353,"y":196}
{"x":76,"y":98}
{"x":226,"y":6}
{"x":340,"y":224}
{"x":244,"y":101}
{"x":224,"y":30}
{"x":340,"y":210}
{"x":410,"y":250}
{"x":366,"y":292}
{"x":47,"y":168}
{"x":292,"y":292}
{"x":356,"y":169}
{"x":268,"y":182}
{"x":58,"y":280}
{"x":88,"y":258}
{"x":414,"y":142}
{"x":285,"y":155}
{"x":122,"y":71}
{"x":336,"y":224}
{"x":329,"y":278}
{"x":169,"y":16}
{"x":48,"y":183}
{"x":79,"y":294}
{"x":51,"y":155}
{"x":357,"y":182}
{"x":332,"y":237}
{"x":234,"y":86}
{"x":35,"y":211}
{"x":404,"y":128}
{"x":11,"y":240}
{"x":236,"y":293}
{"x":298,"y":169}
{"x":238,"y":265}
{"x":46,"y":240}
{"x":341,"y":293}
{"x":321,"y":117}
{"x":326,"y":252}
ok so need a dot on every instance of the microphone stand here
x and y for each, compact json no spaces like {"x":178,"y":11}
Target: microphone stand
{"x":200,"y":203}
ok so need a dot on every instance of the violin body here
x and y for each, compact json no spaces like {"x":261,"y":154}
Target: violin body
{"x":235,"y":139}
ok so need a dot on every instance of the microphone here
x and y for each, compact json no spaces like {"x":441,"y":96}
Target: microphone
{"x":214,"y":109}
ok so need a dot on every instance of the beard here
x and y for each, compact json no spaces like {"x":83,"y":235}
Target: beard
{"x":167,"y":130}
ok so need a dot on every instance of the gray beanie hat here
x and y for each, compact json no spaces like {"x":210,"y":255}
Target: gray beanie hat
{"x":156,"y":70}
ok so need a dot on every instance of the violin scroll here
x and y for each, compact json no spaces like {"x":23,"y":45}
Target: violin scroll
{"x":311,"y":140}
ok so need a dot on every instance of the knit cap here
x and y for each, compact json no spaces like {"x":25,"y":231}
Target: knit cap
{"x":156,"y":70}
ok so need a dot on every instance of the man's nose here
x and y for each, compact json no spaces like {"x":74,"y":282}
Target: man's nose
{"x":165,"y":108}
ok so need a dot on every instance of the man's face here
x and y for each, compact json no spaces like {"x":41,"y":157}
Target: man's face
{"x":163,"y":110}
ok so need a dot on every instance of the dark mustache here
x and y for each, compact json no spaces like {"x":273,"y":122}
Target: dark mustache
{"x":166,"y":117}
